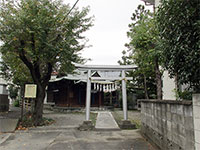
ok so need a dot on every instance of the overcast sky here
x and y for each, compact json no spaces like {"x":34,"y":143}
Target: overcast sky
{"x":108,"y":35}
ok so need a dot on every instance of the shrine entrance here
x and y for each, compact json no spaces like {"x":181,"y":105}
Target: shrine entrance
{"x":106,"y":68}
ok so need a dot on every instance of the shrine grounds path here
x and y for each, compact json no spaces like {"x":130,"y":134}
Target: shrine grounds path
{"x":64,"y":135}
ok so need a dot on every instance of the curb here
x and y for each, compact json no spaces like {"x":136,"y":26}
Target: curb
{"x":5,"y":138}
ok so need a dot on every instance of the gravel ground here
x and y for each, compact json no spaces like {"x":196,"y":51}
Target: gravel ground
{"x":132,"y":114}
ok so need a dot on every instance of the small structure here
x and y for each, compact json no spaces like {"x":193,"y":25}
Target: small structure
{"x":151,"y":2}
{"x":70,"y":90}
{"x":4,"y":101}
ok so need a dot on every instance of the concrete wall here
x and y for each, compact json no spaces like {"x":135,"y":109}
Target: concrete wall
{"x":196,"y":115}
{"x":169,"y":124}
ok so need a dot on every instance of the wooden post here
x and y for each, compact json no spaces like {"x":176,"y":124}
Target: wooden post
{"x":88,"y":95}
{"x":22,"y":109}
{"x":124,"y":96}
{"x":110,"y":98}
{"x":99,"y":94}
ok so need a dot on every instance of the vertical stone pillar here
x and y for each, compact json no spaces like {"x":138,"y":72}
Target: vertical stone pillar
{"x":126,"y":124}
{"x":124,"y":96}
{"x":87,"y":124}
{"x":196,"y":118}
{"x":88,"y":95}
{"x":45,"y":98}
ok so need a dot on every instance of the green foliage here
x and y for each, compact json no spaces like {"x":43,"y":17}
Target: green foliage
{"x":143,"y":50}
{"x":13,"y":69}
{"x":38,"y":37}
{"x":179,"y":27}
{"x":126,"y":57}
{"x":137,"y":84}
{"x":13,"y":91}
{"x":144,"y":40}
{"x":16,"y":103}
{"x":42,"y":34}
{"x":183,"y":95}
{"x":93,"y":117}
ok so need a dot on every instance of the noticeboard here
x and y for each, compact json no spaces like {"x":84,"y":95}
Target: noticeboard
{"x":30,"y":90}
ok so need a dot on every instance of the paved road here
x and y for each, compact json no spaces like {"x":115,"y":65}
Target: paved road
{"x":72,"y":139}
{"x":64,"y":136}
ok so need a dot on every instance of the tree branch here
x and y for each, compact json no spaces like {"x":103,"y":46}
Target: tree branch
{"x":27,"y":62}
{"x":23,"y":57}
{"x":36,"y":68}
{"x":32,"y":42}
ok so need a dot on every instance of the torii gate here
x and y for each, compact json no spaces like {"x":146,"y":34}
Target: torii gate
{"x":123,"y":78}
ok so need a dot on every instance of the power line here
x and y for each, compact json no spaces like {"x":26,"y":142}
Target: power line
{"x":72,"y":7}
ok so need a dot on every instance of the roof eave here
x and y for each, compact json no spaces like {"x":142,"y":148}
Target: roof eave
{"x":151,"y":2}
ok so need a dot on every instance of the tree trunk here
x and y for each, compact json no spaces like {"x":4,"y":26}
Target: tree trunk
{"x":38,"y":110}
{"x":177,"y":88}
{"x":145,"y":88}
{"x":158,"y":80}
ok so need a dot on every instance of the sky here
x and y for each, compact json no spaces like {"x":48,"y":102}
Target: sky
{"x":108,"y":35}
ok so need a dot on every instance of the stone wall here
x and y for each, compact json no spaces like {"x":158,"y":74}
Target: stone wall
{"x":168,"y":124}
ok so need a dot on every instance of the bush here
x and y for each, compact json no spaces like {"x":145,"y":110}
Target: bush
{"x":13,"y":91}
{"x":16,"y":103}
{"x":185,"y":95}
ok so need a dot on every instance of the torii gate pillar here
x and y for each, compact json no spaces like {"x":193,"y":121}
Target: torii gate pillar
{"x":124,"y":96}
{"x":88,"y":95}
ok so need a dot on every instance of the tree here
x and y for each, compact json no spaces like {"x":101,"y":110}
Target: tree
{"x":143,"y":83}
{"x":44,"y":36}
{"x":13,"y":69}
{"x":179,"y":28}
{"x":144,"y":46}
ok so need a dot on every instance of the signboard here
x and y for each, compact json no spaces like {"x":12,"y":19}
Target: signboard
{"x":30,"y":90}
